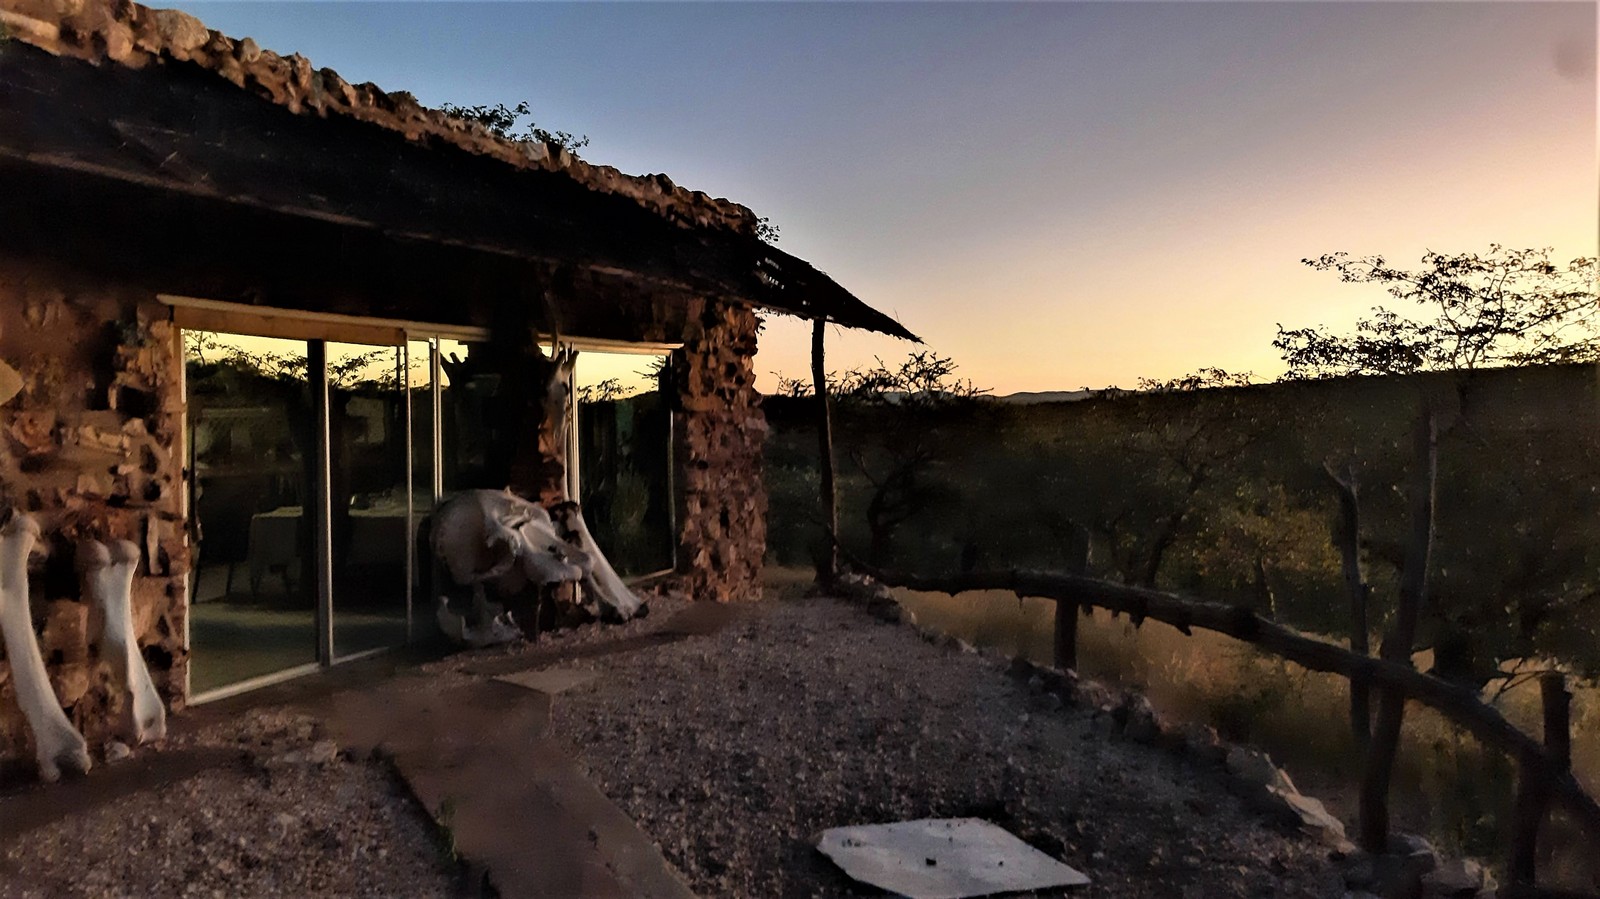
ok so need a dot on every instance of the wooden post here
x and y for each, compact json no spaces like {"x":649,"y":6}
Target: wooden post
{"x":1066,"y":637}
{"x":1378,"y":766}
{"x":828,"y":563}
{"x":1533,"y":779}
{"x":1066,"y":647}
{"x":1347,"y":535}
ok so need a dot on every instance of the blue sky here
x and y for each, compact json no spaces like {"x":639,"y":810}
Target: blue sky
{"x":1054,"y":194}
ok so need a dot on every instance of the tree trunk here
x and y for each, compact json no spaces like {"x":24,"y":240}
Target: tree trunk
{"x":1534,"y":781}
{"x":1347,"y":536}
{"x":1398,"y":643}
{"x":828,"y":563}
{"x":1158,"y":549}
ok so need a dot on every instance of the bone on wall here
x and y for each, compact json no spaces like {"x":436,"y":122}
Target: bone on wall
{"x":91,"y":446}
{"x":720,"y":432}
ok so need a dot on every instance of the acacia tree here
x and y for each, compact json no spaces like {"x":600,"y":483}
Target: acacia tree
{"x":1173,"y":444}
{"x":897,"y":423}
{"x":1505,"y":307}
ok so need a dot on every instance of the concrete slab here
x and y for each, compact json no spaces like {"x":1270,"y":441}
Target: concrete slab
{"x":515,"y":802}
{"x":944,"y":858}
{"x":549,"y":681}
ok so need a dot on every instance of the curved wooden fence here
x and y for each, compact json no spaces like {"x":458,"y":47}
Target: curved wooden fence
{"x":1545,"y":768}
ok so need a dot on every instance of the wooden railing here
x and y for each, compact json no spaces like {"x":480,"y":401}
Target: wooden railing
{"x":1545,"y":772}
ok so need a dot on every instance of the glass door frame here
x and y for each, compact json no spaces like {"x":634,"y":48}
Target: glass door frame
{"x":317,"y":330}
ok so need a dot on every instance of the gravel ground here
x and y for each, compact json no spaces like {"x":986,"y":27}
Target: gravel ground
{"x":294,"y":817}
{"x":291,"y":818}
{"x":733,"y":751}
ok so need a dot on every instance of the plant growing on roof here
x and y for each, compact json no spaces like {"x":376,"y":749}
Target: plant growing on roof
{"x":502,"y":122}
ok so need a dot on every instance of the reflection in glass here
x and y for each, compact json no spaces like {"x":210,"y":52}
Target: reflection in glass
{"x":251,"y":442}
{"x":367,"y":484}
{"x":625,"y":456}
{"x":468,"y":386}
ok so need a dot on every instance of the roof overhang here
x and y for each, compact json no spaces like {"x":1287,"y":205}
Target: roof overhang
{"x":177,"y":128}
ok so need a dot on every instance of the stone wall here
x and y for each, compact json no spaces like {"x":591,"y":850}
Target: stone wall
{"x":92,"y":443}
{"x":91,"y":446}
{"x":720,"y":431}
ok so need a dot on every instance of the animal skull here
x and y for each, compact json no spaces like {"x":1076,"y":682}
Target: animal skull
{"x":56,"y":742}
{"x":106,"y":573}
{"x":494,"y":540}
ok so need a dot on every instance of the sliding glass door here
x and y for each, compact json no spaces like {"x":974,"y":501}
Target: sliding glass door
{"x":252,"y":452}
{"x":313,"y":462}
{"x":368,"y":497}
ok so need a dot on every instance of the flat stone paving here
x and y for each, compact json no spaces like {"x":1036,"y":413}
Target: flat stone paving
{"x":516,"y":806}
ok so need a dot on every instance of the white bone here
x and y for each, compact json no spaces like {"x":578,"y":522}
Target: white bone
{"x":107,"y":576}
{"x":56,"y":742}
{"x":558,"y":397}
{"x":499,"y":627}
{"x":601,"y":583}
{"x":495,"y":541}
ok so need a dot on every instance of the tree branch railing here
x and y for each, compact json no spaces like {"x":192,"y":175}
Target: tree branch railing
{"x":1460,"y":705}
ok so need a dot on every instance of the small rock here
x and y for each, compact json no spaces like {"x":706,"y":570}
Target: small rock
{"x":1255,"y":768}
{"x":1458,"y":877}
{"x":1408,"y":844}
{"x":116,"y":751}
{"x":1314,"y":817}
{"x":1140,"y":723}
{"x":1401,"y":875}
{"x":1093,"y":694}
{"x":323,"y":752}
{"x":1202,"y":742}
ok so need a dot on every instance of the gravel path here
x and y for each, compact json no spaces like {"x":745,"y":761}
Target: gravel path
{"x":733,"y":751}
{"x":291,"y":818}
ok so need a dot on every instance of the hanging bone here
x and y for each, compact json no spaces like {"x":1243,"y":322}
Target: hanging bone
{"x":601,"y":585}
{"x":56,"y":742}
{"x":106,"y":573}
{"x":558,"y":402}
{"x":604,"y":593}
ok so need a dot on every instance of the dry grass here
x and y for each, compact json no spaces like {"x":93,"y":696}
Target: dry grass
{"x":1445,"y":783}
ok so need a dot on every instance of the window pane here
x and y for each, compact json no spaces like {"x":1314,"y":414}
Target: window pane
{"x":251,"y":439}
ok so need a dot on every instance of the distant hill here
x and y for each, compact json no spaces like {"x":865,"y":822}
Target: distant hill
{"x":1053,"y":396}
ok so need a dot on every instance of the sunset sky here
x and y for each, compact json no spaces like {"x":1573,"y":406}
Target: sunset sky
{"x":1053,"y":194}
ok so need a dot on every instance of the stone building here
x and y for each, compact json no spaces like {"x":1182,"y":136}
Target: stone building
{"x":256,"y":319}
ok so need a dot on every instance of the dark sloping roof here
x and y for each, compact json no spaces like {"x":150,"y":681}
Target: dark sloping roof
{"x":176,"y":126}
